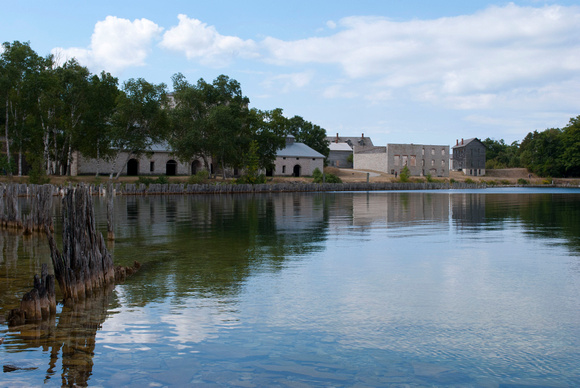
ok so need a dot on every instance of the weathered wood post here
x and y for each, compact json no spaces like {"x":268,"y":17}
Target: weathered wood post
{"x":85,"y":263}
{"x":37,"y":304}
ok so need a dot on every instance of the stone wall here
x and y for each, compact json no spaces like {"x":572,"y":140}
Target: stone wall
{"x":284,"y":166}
{"x":148,"y":164}
{"x":370,"y":158}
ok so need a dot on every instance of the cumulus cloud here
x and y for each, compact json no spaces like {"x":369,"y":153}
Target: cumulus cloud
{"x":465,"y":61}
{"x":289,"y":82}
{"x":116,"y":44}
{"x":201,"y":42}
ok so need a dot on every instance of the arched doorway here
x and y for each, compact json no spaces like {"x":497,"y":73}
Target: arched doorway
{"x":195,"y":165}
{"x":269,"y":172}
{"x":133,"y":167}
{"x":297,"y":169}
{"x":171,"y":167}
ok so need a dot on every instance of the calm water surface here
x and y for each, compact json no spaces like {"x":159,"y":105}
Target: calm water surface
{"x":446,"y":288}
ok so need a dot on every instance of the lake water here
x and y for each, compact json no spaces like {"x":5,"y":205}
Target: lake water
{"x":441,"y":288}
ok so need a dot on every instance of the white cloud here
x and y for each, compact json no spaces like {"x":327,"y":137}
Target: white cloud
{"x":199,"y":41}
{"x":467,"y":62}
{"x":289,"y":82}
{"x":116,"y":44}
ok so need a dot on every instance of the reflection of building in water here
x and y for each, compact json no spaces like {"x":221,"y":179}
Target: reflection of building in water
{"x":468,"y":209}
{"x":399,"y":208}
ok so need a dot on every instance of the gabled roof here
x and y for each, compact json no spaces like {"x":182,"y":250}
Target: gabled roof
{"x":339,"y":147}
{"x":298,"y":150}
{"x":351,"y":140}
{"x":465,"y":142}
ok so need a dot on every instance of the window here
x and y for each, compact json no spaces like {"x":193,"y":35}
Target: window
{"x":423,"y":151}
{"x":423,"y":162}
{"x":443,"y":163}
{"x":405,"y":160}
{"x":432,"y":162}
{"x":413,"y":160}
{"x":432,"y":151}
{"x":442,"y":151}
{"x":151,"y":166}
{"x":284,"y":169}
{"x":397,"y":160}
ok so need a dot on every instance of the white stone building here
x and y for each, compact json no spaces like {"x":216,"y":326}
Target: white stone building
{"x":297,"y":159}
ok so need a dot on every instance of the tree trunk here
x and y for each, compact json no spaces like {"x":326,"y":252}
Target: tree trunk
{"x":124,"y":165}
{"x":7,"y":137}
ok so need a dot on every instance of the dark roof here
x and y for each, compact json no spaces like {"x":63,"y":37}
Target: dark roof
{"x":465,"y":142}
{"x":351,"y":140}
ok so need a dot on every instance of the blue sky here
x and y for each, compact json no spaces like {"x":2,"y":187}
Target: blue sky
{"x":398,"y":71}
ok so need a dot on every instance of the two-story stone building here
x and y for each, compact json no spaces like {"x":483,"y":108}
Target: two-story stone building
{"x":420,"y":159}
{"x":469,"y":157}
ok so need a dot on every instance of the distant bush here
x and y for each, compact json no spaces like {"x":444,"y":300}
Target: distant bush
{"x":547,"y":181}
{"x":145,"y":180}
{"x":318,"y":177}
{"x":469,"y":181}
{"x":162,"y":180}
{"x":405,"y":174}
{"x":523,"y":181}
{"x":505,"y":182}
{"x":251,"y":179}
{"x":452,"y":181}
{"x":199,"y":178}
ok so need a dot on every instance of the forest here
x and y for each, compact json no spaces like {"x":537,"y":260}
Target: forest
{"x":554,"y":152}
{"x":49,"y":111}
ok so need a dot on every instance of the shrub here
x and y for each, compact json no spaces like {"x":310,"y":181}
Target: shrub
{"x":452,"y":181}
{"x":429,"y":178}
{"x":469,"y":181}
{"x":200,"y":177}
{"x":318,"y":177}
{"x":162,"y":180}
{"x":251,"y":179}
{"x":145,"y":180}
{"x":523,"y":181}
{"x":404,"y":175}
{"x":504,"y":182}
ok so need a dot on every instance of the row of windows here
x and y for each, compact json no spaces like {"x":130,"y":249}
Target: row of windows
{"x":411,"y":161}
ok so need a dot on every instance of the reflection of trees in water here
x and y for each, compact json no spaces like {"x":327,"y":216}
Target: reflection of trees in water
{"x":211,"y":244}
{"x":72,"y":340}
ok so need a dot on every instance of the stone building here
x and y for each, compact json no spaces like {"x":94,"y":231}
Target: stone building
{"x":297,"y":159}
{"x":469,"y":157}
{"x":158,"y":161}
{"x":341,"y":149}
{"x":420,"y":159}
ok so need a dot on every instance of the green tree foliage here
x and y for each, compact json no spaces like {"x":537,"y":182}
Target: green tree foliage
{"x":540,"y":152}
{"x":501,"y":155}
{"x":404,"y":174}
{"x":139,"y":121}
{"x":310,"y":134}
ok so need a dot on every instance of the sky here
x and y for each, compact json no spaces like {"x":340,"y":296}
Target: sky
{"x":414,"y":71}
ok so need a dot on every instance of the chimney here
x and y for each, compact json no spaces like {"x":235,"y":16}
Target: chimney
{"x":461,"y":141}
{"x":362,"y":136}
{"x":337,"y":137}
{"x":456,"y":142}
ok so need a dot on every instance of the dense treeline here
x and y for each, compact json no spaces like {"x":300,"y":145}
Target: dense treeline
{"x":553,"y":152}
{"x":49,"y":111}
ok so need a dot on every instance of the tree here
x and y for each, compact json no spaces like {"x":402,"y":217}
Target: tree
{"x":540,"y":152}
{"x":312,"y":135}
{"x":268,"y":129}
{"x":571,"y":147}
{"x":139,"y":121}
{"x":17,"y":63}
{"x":97,"y":140}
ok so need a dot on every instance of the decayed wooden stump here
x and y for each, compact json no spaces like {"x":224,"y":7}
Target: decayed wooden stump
{"x":85,"y":263}
{"x":37,"y":304}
